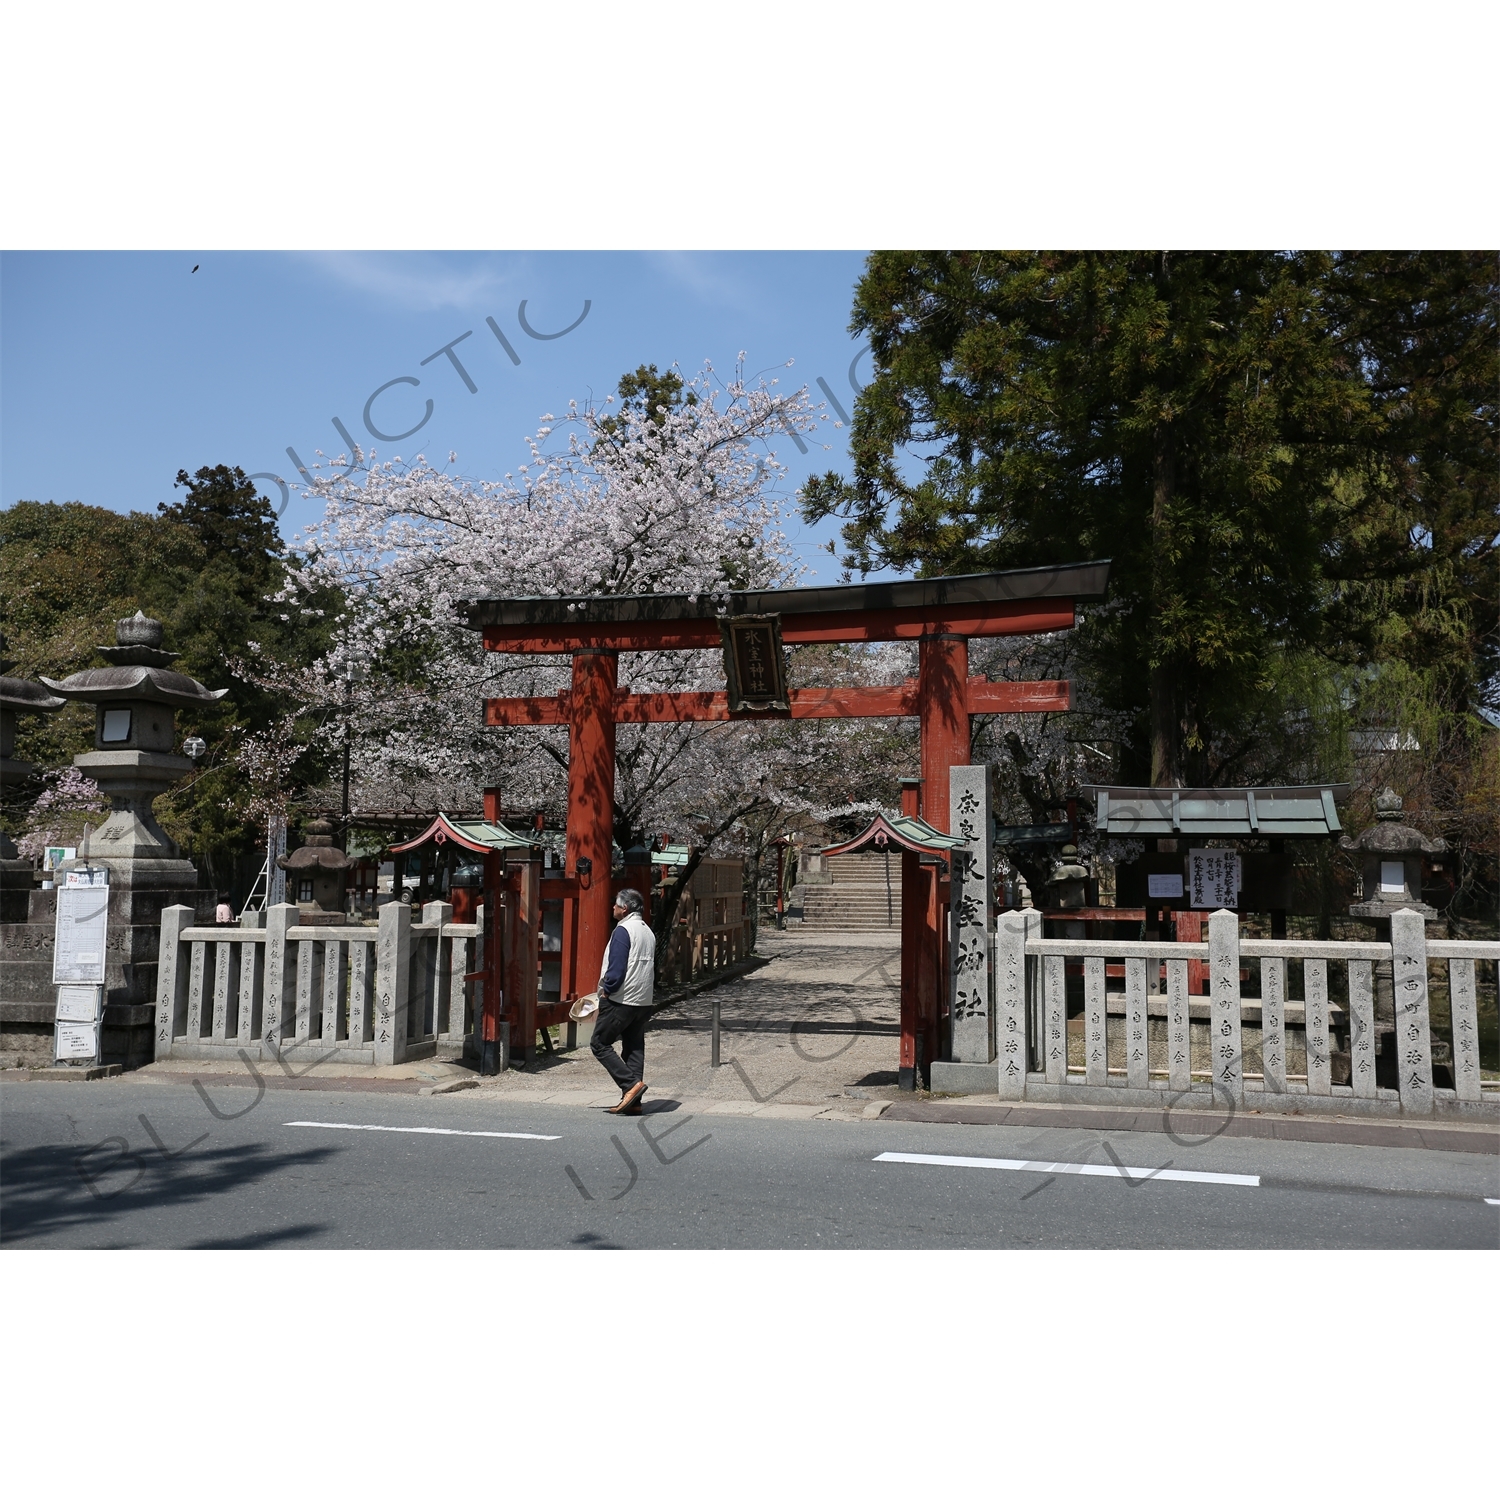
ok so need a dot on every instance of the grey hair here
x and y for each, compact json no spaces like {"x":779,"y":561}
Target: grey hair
{"x":630,"y":899}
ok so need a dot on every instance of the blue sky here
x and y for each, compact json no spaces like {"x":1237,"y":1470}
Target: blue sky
{"x":118,"y":369}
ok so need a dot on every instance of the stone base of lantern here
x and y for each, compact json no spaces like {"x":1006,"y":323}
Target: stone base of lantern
{"x":139,"y":889}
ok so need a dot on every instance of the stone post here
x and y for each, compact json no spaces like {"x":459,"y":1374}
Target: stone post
{"x":1054,"y":1018}
{"x":280,"y":1001}
{"x":1096,"y":1049}
{"x":392,"y":976}
{"x":1362,"y":1027}
{"x":1413,"y":1025}
{"x":1179,"y":1028}
{"x":973,"y":985}
{"x":1226,"y":1047}
{"x":1465,"y":1029}
{"x":171,"y":979}
{"x":1315,"y":993}
{"x":1138,"y":973}
{"x":1273,"y":1025}
{"x":1015,"y":928}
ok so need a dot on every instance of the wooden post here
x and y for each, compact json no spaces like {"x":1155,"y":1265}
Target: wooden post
{"x":522,"y":929}
{"x":942,"y":708}
{"x":591,"y":803}
{"x":913,"y":919}
{"x":488,"y":1031}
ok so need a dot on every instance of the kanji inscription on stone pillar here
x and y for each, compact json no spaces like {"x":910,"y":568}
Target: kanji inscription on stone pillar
{"x":973,"y":987}
{"x":1225,"y":1045}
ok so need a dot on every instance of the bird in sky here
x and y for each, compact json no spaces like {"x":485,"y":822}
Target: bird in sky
{"x":194,"y":271}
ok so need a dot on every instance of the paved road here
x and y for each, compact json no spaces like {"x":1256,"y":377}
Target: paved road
{"x":127,"y":1164}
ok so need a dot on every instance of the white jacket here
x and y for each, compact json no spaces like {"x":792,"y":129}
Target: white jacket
{"x":639,"y":984}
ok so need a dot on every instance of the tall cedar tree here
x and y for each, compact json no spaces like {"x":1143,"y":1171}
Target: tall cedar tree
{"x":1186,"y":415}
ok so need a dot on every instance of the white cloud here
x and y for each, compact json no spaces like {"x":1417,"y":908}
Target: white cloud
{"x":416,"y":281}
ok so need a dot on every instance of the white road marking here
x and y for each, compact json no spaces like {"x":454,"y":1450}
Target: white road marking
{"x":501,"y":1135}
{"x":1495,"y":1201}
{"x":1075,"y":1168}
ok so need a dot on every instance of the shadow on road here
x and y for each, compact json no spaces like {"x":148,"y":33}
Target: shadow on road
{"x":58,"y":1190}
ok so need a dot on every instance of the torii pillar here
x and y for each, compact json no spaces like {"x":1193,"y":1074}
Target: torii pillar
{"x":591,"y":802}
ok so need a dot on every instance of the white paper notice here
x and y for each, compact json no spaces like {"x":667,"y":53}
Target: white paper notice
{"x":1214,"y":877}
{"x":1165,"y":886}
{"x":76,"y":1039}
{"x":78,"y":942}
{"x":79,"y":1002}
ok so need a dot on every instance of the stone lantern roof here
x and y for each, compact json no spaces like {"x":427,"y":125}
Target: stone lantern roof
{"x":317,"y":852}
{"x":1389,"y":835}
{"x":138,"y":671}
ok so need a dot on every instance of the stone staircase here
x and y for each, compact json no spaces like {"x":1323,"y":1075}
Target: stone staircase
{"x":857,"y":898}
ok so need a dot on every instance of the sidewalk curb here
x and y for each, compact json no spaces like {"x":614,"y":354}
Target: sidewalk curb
{"x":1325,"y":1130}
{"x":451,"y":1086}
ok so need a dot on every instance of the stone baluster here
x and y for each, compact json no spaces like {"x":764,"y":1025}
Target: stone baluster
{"x":1273,"y":1025}
{"x":335,"y":990}
{"x":1179,"y":1034}
{"x":1413,"y":1024}
{"x":280,"y":1004}
{"x":1137,"y":1038}
{"x":1315,"y":1010}
{"x":1224,"y":1007}
{"x":1362,"y":1027}
{"x":1465,"y":1015}
{"x":1054,"y":1019}
{"x":252,"y":989}
{"x":392,"y":978}
{"x":171,"y":979}
{"x":361,"y":991}
{"x":1016,"y":928}
{"x":1095,"y":1027}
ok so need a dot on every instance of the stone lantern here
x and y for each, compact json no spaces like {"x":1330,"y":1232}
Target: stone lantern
{"x":1067,"y":885}
{"x":1392,"y":853}
{"x":316,"y":874}
{"x":135,"y":699}
{"x":17,"y":696}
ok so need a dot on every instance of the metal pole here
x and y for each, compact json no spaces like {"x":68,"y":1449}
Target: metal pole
{"x":713,"y":1057}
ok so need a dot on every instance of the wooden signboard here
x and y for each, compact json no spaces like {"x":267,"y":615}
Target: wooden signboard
{"x":755,"y":664}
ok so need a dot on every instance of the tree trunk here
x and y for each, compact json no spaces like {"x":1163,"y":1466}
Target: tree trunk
{"x":1165,"y":766}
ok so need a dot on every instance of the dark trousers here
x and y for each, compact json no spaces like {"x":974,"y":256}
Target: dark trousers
{"x":625,"y":1024}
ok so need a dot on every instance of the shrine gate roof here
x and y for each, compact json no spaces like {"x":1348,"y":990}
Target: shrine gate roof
{"x":1075,"y":581}
{"x":899,"y":831}
{"x":473,"y":834}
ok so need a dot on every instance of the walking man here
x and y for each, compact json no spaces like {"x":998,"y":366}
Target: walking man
{"x":626,"y":990}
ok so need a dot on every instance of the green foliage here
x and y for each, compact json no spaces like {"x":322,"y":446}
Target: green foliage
{"x":1289,"y":457}
{"x":204,"y":567}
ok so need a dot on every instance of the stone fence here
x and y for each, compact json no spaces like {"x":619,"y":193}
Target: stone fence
{"x":392,"y":993}
{"x":1190,"y":1052}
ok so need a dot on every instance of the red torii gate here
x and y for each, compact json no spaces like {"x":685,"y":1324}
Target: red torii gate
{"x":940,"y":614}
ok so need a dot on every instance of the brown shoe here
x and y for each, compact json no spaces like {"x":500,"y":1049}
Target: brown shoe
{"x":630,"y":1101}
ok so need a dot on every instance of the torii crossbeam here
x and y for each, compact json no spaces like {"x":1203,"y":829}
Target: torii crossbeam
{"x":940,"y":614}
